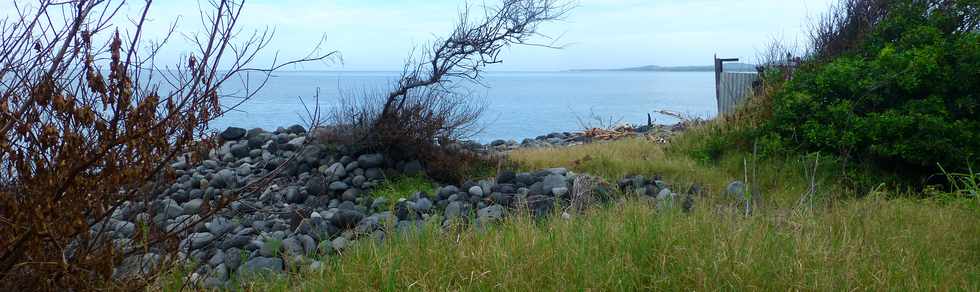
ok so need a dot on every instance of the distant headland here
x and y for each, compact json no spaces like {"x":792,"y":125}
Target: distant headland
{"x":737,"y":67}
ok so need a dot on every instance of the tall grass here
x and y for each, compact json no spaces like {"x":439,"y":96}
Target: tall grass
{"x":866,"y":244}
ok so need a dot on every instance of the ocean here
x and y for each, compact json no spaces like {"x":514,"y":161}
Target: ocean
{"x":518,"y":104}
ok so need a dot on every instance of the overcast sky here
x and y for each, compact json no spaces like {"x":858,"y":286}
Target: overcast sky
{"x":379,"y":34}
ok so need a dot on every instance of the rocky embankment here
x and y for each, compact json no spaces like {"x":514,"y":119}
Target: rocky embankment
{"x":316,"y":202}
{"x":656,"y":133}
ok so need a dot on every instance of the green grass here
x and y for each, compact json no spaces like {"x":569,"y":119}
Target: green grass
{"x":882,"y":239}
{"x":865,"y":244}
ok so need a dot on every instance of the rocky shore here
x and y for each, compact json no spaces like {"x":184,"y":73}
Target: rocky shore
{"x":316,"y":202}
{"x":657,"y":133}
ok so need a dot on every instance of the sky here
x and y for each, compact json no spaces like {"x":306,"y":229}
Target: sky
{"x":597,"y":34}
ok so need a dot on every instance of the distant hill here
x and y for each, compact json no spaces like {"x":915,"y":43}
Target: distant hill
{"x":731,"y":67}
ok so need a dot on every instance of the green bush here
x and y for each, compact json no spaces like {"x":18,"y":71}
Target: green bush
{"x":907,"y":97}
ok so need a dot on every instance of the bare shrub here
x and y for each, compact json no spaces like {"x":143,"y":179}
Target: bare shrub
{"x":844,"y":26}
{"x":425,"y":110}
{"x":78,"y":146}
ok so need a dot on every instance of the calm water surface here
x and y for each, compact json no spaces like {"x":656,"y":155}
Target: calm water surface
{"x":519,"y":104}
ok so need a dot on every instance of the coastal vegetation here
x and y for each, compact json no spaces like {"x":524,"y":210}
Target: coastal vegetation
{"x":847,"y":157}
{"x":851,"y":171}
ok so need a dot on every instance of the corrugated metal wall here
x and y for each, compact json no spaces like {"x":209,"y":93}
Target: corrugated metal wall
{"x":733,"y":87}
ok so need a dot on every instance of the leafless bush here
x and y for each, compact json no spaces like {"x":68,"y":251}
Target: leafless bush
{"x":778,"y":53}
{"x":424,"y":110}
{"x":845,"y":26}
{"x":76,"y":144}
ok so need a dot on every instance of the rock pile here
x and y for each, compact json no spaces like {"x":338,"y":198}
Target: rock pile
{"x":318,"y":204}
{"x":657,"y":133}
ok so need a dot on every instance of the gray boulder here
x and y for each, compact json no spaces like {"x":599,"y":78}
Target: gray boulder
{"x":490,"y":214}
{"x":136,"y":266}
{"x":315,"y":186}
{"x":261,"y":265}
{"x":338,"y":186}
{"x":370,"y":160}
{"x":226,"y":178}
{"x":240,"y":150}
{"x":345,"y":218}
{"x":293,"y":246}
{"x":293,"y":195}
{"x":192,"y":207}
{"x":336,"y":169}
{"x":232,"y":133}
{"x":552,"y":182}
{"x":413,"y":167}
{"x":476,"y":191}
{"x":736,"y":189}
{"x":296,"y":129}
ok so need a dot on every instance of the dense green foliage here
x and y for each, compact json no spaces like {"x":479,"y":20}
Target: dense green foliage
{"x":907,"y":97}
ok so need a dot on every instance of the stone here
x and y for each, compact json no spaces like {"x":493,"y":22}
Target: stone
{"x":198,"y":240}
{"x":490,"y":214}
{"x":232,"y":133}
{"x":502,"y":198}
{"x":379,"y":204}
{"x":412,"y":168}
{"x":339,"y":244}
{"x":447,"y":191}
{"x":318,"y":228}
{"x":296,"y":142}
{"x":665,"y":194}
{"x":475,"y":191}
{"x":423,"y":205}
{"x":234,"y":258}
{"x":338,"y":186}
{"x":240,"y":150}
{"x":525,"y":179}
{"x":226,"y":178}
{"x":261,"y":265}
{"x":541,"y":205}
{"x":370,"y":160}
{"x":136,"y":266}
{"x":216,"y":279}
{"x":552,"y":182}
{"x":336,"y":169}
{"x":558,"y":192}
{"x":296,"y":129}
{"x":346,"y":219}
{"x":358,"y":181}
{"x":349,"y":195}
{"x":373,"y":174}
{"x":506,"y":177}
{"x":218,"y":258}
{"x":294,"y":196}
{"x":293,"y":246}
{"x":244,"y":170}
{"x":315,"y":186}
{"x":454,"y":210}
{"x":127,"y":229}
{"x":316,"y":266}
{"x":558,"y":170}
{"x":219,"y":226}
{"x":270,"y":248}
{"x":736,"y":189}
{"x":236,"y":241}
{"x":192,"y":207}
